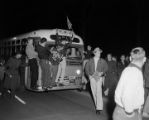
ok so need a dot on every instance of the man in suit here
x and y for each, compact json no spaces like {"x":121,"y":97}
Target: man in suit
{"x":146,"y":78}
{"x":96,"y":68}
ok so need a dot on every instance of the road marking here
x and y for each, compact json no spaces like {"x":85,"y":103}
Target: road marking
{"x":18,"y":98}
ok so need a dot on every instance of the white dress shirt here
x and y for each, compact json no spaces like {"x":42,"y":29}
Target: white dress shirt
{"x":129,"y":93}
{"x":30,"y":52}
{"x":96,"y":62}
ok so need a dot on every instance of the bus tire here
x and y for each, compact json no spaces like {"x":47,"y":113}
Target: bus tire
{"x":80,"y":89}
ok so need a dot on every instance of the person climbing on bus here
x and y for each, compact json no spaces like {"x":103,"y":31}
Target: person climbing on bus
{"x":44,"y":56}
{"x":54,"y":65}
{"x":62,"y":50}
{"x":32,"y":56}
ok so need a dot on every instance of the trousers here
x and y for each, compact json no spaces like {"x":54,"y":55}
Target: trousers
{"x":119,"y":114}
{"x":46,"y":73}
{"x":61,"y":70}
{"x":96,"y":88}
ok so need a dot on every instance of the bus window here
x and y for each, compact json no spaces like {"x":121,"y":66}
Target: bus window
{"x":24,"y":41}
{"x":18,"y":48}
{"x":18,"y":42}
{"x":74,"y":53}
{"x":13,"y":50}
{"x":9,"y":50}
{"x":36,"y":40}
{"x":9,"y":43}
{"x":76,"y":40}
{"x":23,"y":48}
{"x":13,"y":43}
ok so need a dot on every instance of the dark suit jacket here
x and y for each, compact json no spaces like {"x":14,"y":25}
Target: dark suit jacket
{"x":102,"y":66}
{"x":146,"y":73}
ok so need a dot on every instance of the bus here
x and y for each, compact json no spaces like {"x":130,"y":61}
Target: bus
{"x":74,"y":58}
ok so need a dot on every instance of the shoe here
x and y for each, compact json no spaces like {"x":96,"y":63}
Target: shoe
{"x":54,"y":85}
{"x":98,"y":112}
{"x":146,"y":115}
{"x":61,"y":84}
{"x":49,"y":88}
{"x":44,"y":88}
{"x":33,"y":88}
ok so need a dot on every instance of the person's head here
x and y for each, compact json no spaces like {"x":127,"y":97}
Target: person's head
{"x":122,"y":57}
{"x":97,"y":52}
{"x":43,"y":41}
{"x":18,"y":55}
{"x":114,"y":58}
{"x":127,"y":58}
{"x":59,"y":47}
{"x":137,"y":56}
{"x":109,"y":57}
{"x":30,"y":41}
{"x":89,"y":47}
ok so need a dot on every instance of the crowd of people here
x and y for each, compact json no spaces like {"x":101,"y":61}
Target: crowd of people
{"x":124,"y":82}
{"x":49,"y":64}
{"x":52,"y":62}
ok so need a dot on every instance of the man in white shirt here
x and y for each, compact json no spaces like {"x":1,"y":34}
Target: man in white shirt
{"x":129,"y":94}
{"x":32,"y":61}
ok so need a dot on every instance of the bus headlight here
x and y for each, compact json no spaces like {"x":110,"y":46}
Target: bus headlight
{"x":78,"y":72}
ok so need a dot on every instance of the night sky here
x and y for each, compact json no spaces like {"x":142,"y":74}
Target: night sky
{"x":114,"y":25}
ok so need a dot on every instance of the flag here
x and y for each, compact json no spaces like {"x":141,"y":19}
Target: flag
{"x":69,"y":24}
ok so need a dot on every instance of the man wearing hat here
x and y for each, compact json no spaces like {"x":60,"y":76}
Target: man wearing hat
{"x":129,"y":94}
{"x":96,"y":68}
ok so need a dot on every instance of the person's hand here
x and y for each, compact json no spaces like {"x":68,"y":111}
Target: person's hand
{"x":106,"y":92}
{"x":10,"y":76}
{"x":100,"y":73}
{"x":50,"y":63}
{"x":130,"y":114}
{"x":26,"y":60}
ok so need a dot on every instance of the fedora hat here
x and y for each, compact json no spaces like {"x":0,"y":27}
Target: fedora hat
{"x":97,"y":49}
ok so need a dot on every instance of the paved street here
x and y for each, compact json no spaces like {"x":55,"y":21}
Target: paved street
{"x":53,"y":105}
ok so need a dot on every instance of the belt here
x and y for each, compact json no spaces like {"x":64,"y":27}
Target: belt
{"x":135,"y":110}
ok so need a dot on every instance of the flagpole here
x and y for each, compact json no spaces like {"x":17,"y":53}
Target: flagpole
{"x":69,"y":24}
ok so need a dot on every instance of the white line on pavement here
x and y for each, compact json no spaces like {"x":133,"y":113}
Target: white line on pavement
{"x":18,"y":98}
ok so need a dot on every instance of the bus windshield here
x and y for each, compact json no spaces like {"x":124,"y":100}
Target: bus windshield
{"x":71,"y":52}
{"x":74,"y":53}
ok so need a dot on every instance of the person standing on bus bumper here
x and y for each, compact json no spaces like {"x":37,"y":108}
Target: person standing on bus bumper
{"x":96,"y":69}
{"x":44,"y":56}
{"x":32,"y":60}
{"x":61,"y":70}
{"x":129,"y":94}
{"x":62,"y":49}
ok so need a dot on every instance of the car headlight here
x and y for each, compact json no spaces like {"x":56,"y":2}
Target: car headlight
{"x":78,"y":72}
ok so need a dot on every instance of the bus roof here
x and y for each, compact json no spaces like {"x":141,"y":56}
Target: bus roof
{"x":47,"y":34}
